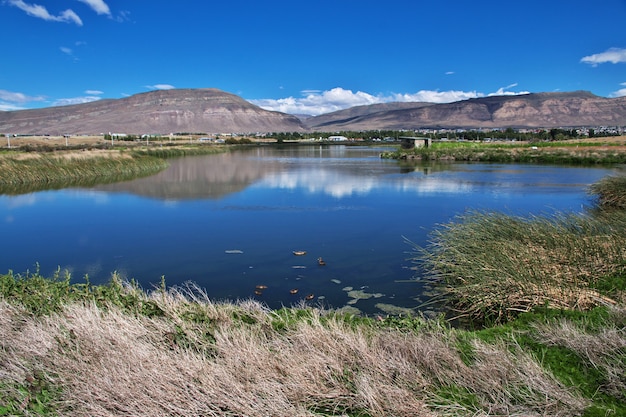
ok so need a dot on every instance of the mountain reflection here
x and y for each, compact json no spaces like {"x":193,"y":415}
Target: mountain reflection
{"x":199,"y":177}
{"x":333,"y":173}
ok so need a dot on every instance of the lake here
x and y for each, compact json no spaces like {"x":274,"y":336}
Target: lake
{"x":231,"y":222}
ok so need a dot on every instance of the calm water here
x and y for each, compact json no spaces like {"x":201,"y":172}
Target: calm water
{"x":230,"y":222}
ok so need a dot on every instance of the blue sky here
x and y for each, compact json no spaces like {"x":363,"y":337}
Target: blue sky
{"x":309,"y":57}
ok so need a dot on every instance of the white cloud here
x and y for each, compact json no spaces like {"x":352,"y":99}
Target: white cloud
{"x":612,"y":55}
{"x":449,"y":72}
{"x":98,"y":6}
{"x":75,"y":100}
{"x":13,"y":97}
{"x":94,"y":92}
{"x":160,"y":87}
{"x":430,"y":96}
{"x":317,"y":102}
{"x":65,"y":50}
{"x":41,"y":12}
{"x":502,"y":91}
{"x":10,"y":100}
{"x":619,"y":93}
{"x":9,"y":107}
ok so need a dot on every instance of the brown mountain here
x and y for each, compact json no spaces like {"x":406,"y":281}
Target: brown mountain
{"x":540,"y":110}
{"x":164,"y":111}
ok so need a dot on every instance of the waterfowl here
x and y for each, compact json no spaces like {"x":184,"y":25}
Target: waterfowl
{"x":293,"y":291}
{"x":321,"y":262}
{"x":309,"y":297}
{"x":299,"y":252}
{"x":258,"y":292}
{"x":261,"y":287}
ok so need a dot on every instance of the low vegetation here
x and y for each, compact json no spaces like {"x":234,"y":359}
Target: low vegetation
{"x":26,"y":171}
{"x":545,"y":335}
{"x":564,"y":152}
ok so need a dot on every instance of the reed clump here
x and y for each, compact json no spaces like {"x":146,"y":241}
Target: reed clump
{"x":27,"y":172}
{"x":611,"y":192}
{"x":492,"y":266}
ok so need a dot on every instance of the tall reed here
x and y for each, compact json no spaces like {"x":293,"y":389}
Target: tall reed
{"x":31,"y":172}
{"x":493,"y":266}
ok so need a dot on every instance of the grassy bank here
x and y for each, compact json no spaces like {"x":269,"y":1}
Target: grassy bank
{"x":22,"y":172}
{"x":577,"y":153}
{"x":78,"y":350}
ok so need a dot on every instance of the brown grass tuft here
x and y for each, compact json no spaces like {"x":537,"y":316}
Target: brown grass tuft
{"x":230,"y":360}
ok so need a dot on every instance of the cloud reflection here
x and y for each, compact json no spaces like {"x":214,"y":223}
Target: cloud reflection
{"x":339,"y":184}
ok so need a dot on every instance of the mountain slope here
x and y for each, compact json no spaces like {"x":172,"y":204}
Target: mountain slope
{"x":163,"y":111}
{"x":524,"y":111}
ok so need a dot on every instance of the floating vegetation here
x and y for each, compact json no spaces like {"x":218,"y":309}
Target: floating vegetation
{"x":336,"y":281}
{"x":299,"y":267}
{"x":233,"y":251}
{"x":394,"y":310}
{"x":347,"y":309}
{"x":357,"y":295}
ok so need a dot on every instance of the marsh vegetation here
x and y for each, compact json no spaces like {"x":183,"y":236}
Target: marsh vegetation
{"x":28,"y":171}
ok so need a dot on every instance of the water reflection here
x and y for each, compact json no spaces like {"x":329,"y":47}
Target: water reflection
{"x":199,"y":177}
{"x":336,"y":171}
{"x":230,"y":222}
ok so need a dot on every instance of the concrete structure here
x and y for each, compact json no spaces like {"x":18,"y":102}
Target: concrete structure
{"x":409,"y":142}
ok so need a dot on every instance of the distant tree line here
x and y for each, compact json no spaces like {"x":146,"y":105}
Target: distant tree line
{"x":555,"y":134}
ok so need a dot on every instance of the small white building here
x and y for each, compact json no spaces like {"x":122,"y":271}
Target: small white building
{"x":337,"y":138}
{"x":409,"y":142}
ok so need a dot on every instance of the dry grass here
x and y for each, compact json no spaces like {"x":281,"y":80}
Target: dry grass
{"x":202,"y":358}
{"x":604,"y":350}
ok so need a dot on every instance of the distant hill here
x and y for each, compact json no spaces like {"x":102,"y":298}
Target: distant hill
{"x":539,"y":110}
{"x":164,"y":111}
{"x":357,"y":114}
{"x":213,"y":111}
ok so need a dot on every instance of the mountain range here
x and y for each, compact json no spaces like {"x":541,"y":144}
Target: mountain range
{"x":214,"y":111}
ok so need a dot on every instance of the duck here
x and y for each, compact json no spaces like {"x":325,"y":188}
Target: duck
{"x":321,"y":262}
{"x":309,"y":297}
{"x":258,"y":292}
{"x":293,"y":291}
{"x":299,"y":252}
{"x":261,"y":287}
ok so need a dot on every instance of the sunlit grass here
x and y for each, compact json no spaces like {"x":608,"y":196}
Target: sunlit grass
{"x":76,"y":349}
